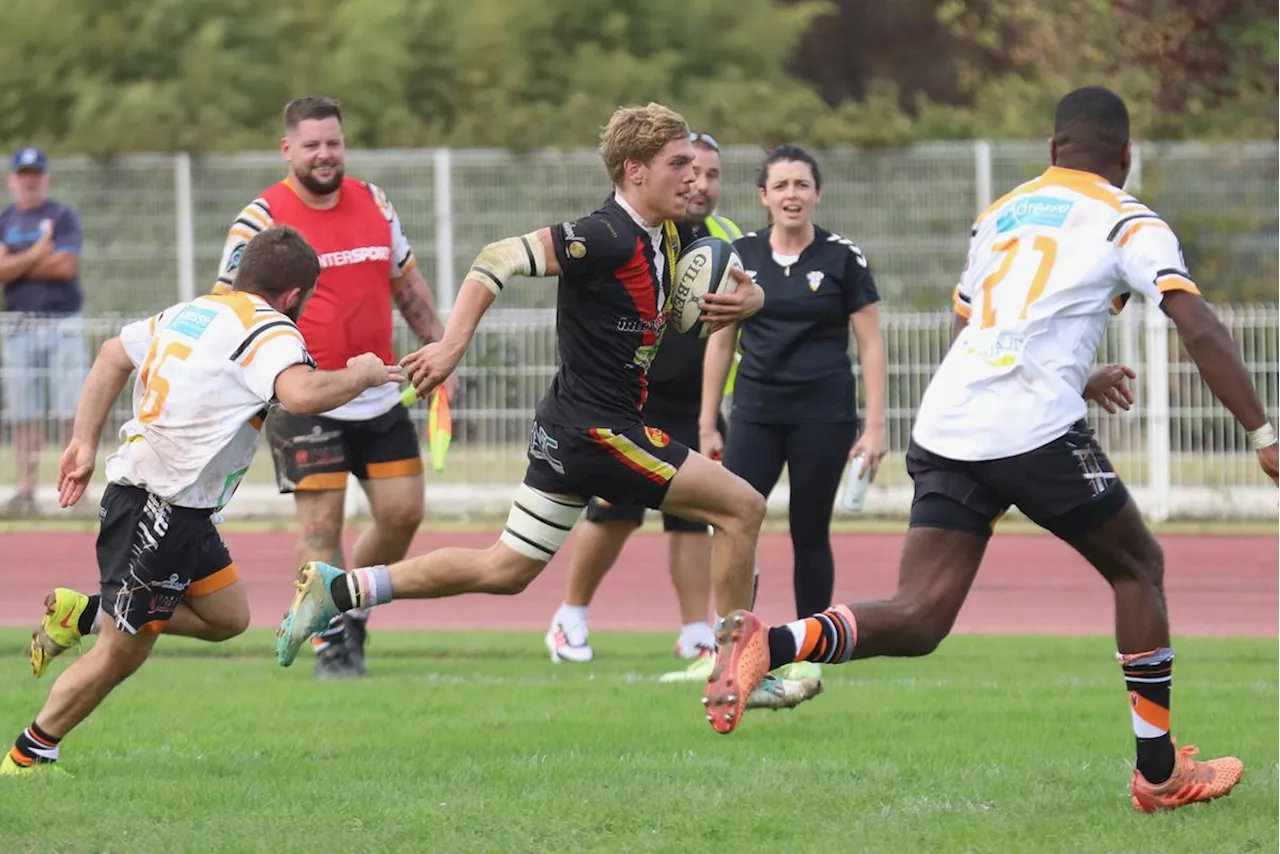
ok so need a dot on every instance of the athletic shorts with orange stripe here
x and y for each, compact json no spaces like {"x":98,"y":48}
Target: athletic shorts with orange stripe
{"x":628,"y":463}
{"x":312,"y":452}
{"x":152,"y":555}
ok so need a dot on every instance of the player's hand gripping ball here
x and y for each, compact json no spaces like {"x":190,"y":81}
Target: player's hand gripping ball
{"x":703,"y":268}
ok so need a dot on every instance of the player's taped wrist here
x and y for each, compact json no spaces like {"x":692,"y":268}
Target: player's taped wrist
{"x":1264,"y":437}
{"x":502,"y":259}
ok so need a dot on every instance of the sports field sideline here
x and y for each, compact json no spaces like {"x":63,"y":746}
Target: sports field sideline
{"x":1014,"y":737}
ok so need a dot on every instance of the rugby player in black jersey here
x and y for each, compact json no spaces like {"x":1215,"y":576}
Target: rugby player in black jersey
{"x":588,"y":438}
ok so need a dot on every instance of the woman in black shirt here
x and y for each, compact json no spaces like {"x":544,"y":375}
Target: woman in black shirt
{"x":794,"y":400}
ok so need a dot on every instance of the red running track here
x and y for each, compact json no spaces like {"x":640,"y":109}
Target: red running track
{"x":1033,"y":584}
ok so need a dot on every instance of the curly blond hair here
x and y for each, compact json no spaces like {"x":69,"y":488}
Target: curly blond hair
{"x":638,"y":133}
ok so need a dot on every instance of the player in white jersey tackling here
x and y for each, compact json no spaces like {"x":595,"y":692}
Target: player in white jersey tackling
{"x":1002,"y":423}
{"x":207,"y":371}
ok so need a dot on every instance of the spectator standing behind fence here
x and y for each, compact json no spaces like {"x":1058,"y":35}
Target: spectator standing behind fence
{"x":795,"y":402}
{"x":45,"y":358}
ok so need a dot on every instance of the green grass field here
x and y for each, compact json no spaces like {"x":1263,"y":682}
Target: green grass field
{"x":478,"y":744}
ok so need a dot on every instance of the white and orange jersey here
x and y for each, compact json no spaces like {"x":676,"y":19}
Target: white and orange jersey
{"x":1048,"y":264}
{"x":206,"y":374}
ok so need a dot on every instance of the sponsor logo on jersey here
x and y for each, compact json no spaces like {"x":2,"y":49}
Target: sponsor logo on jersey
{"x":635,"y":324}
{"x":192,"y":321}
{"x":359,"y":255}
{"x":1033,"y":210}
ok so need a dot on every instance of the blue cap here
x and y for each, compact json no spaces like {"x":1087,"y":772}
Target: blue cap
{"x":29,"y":160}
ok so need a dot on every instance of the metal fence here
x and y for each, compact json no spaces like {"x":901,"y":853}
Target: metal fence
{"x":1179,"y":450}
{"x":154,"y":225}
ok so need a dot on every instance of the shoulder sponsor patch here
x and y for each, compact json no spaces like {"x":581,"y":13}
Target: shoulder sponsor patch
{"x":1033,"y":210}
{"x":192,"y":321}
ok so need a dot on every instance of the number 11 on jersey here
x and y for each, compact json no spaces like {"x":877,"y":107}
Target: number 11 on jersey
{"x":1048,"y":249}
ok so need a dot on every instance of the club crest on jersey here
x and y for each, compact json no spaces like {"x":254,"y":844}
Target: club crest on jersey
{"x":577,"y":249}
{"x":815,"y":279}
{"x":657,"y":438}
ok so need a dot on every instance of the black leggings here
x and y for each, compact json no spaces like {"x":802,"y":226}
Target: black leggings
{"x":815,"y":455}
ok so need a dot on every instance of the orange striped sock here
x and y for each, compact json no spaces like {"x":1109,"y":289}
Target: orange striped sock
{"x":828,"y":637}
{"x":1149,"y":678}
{"x":34,"y":745}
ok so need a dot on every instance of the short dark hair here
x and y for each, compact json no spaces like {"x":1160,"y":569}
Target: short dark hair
{"x":1092,"y":118}
{"x":787,"y":153}
{"x":277,"y":260}
{"x":310,"y":107}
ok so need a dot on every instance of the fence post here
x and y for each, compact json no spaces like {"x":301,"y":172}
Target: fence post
{"x":185,"y":225}
{"x":444,"y":229}
{"x":982,"y":174}
{"x":1159,"y":479}
{"x":1133,"y":183}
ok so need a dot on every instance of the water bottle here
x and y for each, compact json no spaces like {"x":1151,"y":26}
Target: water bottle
{"x":855,"y":485}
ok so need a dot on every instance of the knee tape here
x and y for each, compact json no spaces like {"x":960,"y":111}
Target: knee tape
{"x":538,"y":523}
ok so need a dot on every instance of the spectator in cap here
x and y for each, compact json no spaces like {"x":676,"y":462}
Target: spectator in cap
{"x":45,"y":357}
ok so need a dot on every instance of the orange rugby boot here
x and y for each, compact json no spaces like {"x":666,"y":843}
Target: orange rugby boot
{"x":1190,"y":782}
{"x":741,"y":663}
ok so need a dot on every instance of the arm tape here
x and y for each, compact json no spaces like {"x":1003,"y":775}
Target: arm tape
{"x":502,"y":259}
{"x":1264,"y":437}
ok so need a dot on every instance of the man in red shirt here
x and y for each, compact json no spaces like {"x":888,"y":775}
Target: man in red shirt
{"x":367,"y":265}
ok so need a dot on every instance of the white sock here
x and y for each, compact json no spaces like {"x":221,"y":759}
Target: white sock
{"x":798,"y":632}
{"x":572,"y":613}
{"x":697,"y":634}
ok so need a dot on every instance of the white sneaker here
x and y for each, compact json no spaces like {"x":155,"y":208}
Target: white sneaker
{"x":689,"y":651}
{"x":568,"y":642}
{"x":694,"y":640}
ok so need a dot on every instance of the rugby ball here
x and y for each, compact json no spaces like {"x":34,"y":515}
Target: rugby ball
{"x":702,"y":268}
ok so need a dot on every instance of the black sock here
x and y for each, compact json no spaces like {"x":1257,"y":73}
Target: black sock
{"x":782,"y":647}
{"x":85,"y":624}
{"x":1149,"y":678}
{"x":340,"y":590}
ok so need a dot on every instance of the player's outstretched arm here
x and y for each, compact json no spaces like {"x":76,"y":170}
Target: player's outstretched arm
{"x":1215,"y":353}
{"x":1211,"y":347}
{"x":303,"y":390}
{"x":494,"y":268}
{"x":106,"y":379}
{"x":715,"y":371}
